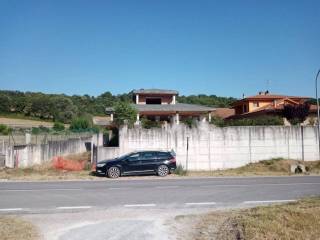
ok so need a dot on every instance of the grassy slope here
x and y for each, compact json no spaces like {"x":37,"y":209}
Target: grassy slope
{"x":13,"y":228}
{"x":299,"y":220}
{"x":24,"y":122}
{"x":267,"y":167}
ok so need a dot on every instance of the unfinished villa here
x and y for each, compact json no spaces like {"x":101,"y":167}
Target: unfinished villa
{"x":161,"y":105}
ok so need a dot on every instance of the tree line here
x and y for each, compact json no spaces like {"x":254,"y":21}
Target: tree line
{"x":64,"y":108}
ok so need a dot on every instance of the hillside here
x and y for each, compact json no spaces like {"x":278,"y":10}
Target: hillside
{"x":63,"y":108}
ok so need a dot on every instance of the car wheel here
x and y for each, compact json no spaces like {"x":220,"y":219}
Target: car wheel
{"x":113,"y":172}
{"x":163,"y":170}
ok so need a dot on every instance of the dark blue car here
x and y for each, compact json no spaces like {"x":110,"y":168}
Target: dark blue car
{"x":142,"y":162}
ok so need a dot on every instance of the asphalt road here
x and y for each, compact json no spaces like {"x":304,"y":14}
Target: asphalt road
{"x":153,"y":193}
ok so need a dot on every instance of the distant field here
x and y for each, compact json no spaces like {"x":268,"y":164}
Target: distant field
{"x":24,"y":123}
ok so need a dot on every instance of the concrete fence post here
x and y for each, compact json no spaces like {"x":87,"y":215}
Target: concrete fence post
{"x":288,"y":141}
{"x":250,"y":153}
{"x":209,"y":145}
{"x":302,"y":143}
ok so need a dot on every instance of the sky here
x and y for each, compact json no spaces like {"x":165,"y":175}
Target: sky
{"x":224,"y":48}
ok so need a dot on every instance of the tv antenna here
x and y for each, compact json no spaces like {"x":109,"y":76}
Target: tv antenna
{"x":268,"y":85}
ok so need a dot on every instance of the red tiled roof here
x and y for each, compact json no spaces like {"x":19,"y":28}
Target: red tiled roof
{"x":274,"y":96}
{"x":224,"y":112}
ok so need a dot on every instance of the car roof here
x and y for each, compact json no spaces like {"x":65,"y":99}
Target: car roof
{"x":151,"y":151}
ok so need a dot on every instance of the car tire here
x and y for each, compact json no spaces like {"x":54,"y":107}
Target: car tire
{"x":163,"y":171}
{"x":113,"y":172}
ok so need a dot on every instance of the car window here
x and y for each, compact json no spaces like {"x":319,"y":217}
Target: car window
{"x":163,"y":155}
{"x":133,"y":157}
{"x":148,"y":155}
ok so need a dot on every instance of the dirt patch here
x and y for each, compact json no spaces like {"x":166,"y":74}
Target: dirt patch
{"x":299,"y":220}
{"x":14,"y":228}
{"x":49,"y":171}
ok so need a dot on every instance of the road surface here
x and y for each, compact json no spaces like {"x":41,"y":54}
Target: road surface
{"x":139,"y":208}
{"x":182,"y":192}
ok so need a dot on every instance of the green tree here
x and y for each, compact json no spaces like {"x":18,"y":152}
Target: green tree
{"x":4,"y":104}
{"x":296,"y":114}
{"x":40,"y":106}
{"x":62,"y":109}
{"x":124,"y":113}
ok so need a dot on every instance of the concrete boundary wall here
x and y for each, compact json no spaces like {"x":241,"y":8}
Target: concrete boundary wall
{"x":213,"y":148}
{"x":32,"y":154}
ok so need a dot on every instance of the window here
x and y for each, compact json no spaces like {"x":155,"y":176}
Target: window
{"x":134,"y":157}
{"x":148,"y":155}
{"x":153,"y":101}
{"x":245,"y":108}
{"x":163,"y":155}
{"x":255,"y":104}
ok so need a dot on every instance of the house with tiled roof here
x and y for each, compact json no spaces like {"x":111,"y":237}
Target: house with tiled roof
{"x":265,"y":104}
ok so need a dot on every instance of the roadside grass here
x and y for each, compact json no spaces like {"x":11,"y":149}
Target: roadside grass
{"x":297,"y":220}
{"x":272,"y":167}
{"x":48,"y":172}
{"x":14,"y":228}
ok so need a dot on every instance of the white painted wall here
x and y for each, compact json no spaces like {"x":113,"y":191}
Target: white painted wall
{"x":29,"y":155}
{"x":219,"y":148}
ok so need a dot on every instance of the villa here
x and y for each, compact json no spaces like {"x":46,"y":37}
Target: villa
{"x":161,"y":105}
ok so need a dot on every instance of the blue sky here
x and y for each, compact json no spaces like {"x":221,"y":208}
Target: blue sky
{"x":224,"y":48}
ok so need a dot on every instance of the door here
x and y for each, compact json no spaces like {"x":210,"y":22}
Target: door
{"x":132,"y":163}
{"x":148,"y":161}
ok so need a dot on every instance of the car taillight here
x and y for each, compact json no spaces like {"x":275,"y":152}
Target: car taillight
{"x":173,"y":160}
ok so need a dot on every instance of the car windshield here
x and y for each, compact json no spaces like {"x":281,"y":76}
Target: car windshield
{"x":124,"y":156}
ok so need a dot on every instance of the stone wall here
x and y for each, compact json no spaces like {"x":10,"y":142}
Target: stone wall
{"x":219,"y":148}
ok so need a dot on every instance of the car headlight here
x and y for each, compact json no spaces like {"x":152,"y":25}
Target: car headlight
{"x":101,"y":164}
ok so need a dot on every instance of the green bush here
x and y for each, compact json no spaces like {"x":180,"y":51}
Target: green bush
{"x":35,"y":130}
{"x":218,"y":121}
{"x":259,"y":121}
{"x":5,"y":130}
{"x":40,"y":130}
{"x":189,"y":122}
{"x":180,"y":171}
{"x":79,"y":124}
{"x":146,"y":123}
{"x":58,"y":126}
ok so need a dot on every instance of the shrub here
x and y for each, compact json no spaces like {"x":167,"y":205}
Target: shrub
{"x":146,"y":123}
{"x":259,"y":121}
{"x":180,"y":170}
{"x":218,"y":121}
{"x":79,"y":124}
{"x":58,"y":126}
{"x":5,"y":130}
{"x":189,"y":122}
